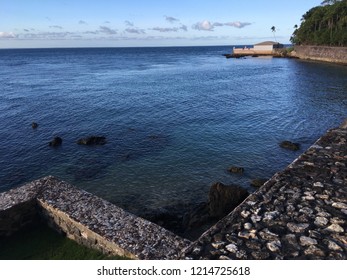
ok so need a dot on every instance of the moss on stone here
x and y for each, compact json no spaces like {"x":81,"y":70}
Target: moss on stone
{"x":43,"y":243}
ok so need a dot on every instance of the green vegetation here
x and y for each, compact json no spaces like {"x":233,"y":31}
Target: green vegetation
{"x":42,"y":243}
{"x":323,"y":25}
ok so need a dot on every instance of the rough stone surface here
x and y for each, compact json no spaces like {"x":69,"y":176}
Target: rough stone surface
{"x":300,"y":213}
{"x":89,"y":220}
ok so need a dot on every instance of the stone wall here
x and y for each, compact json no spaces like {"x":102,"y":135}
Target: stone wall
{"x":18,"y":209}
{"x":87,"y":219}
{"x":18,"y":217}
{"x":322,"y":53}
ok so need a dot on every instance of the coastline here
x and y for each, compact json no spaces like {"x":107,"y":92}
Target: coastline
{"x":337,"y":55}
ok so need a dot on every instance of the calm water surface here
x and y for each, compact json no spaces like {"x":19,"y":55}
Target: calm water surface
{"x":175,"y":118}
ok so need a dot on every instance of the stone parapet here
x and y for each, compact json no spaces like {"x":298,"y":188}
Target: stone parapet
{"x":300,"y":213}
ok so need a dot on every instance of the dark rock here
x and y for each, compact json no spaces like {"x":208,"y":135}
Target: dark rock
{"x":236,"y":169}
{"x":196,"y":216}
{"x":257,"y":183}
{"x":223,"y":199}
{"x":234,"y":56}
{"x":228,"y":55}
{"x":34,"y":125}
{"x":92,"y":140}
{"x":57,"y":141}
{"x":290,"y":145}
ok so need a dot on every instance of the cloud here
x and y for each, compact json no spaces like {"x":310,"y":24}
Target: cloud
{"x":203,"y":25}
{"x":135,"y":31}
{"x":171,"y":19}
{"x":7,"y":35}
{"x":91,"y":32}
{"x":45,"y":35}
{"x":129,"y":23}
{"x":82,"y":22}
{"x":56,"y":26}
{"x":184,"y":27}
{"x":209,"y":26}
{"x":107,"y":30}
{"x":165,"y":29}
{"x":237,"y":24}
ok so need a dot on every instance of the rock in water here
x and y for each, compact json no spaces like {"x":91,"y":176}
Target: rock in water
{"x":236,"y":169}
{"x":223,"y":199}
{"x":92,"y":140}
{"x":257,"y":183}
{"x":34,"y":125}
{"x":290,"y":145}
{"x":57,"y":141}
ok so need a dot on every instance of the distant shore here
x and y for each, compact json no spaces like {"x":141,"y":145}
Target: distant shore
{"x":318,"y":53}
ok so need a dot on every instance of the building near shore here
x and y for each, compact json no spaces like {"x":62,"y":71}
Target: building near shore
{"x":263,"y":48}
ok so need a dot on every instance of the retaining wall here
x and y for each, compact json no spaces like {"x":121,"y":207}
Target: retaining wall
{"x":322,"y":53}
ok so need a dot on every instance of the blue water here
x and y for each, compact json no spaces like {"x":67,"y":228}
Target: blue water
{"x":175,"y":118}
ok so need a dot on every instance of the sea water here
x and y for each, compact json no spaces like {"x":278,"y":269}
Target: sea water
{"x":174,"y":118}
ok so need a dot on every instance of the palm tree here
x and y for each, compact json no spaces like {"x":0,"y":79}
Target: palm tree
{"x":273,"y":29}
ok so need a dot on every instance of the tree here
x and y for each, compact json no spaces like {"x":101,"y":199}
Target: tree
{"x":273,"y":29}
{"x":323,"y":25}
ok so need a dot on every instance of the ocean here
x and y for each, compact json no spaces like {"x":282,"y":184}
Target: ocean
{"x":175,"y":119}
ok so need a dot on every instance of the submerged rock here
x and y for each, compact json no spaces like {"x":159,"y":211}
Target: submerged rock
{"x":92,"y":140}
{"x":290,"y":145}
{"x":34,"y":125}
{"x":257,"y":183}
{"x":223,"y":199}
{"x":236,"y":169}
{"x":57,"y":141}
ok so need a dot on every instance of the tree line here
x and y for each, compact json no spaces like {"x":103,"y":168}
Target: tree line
{"x":323,"y":25}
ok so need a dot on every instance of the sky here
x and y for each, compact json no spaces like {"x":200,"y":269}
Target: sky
{"x":142,"y":23}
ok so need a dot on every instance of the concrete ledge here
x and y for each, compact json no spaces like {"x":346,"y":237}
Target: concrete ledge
{"x":89,"y":220}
